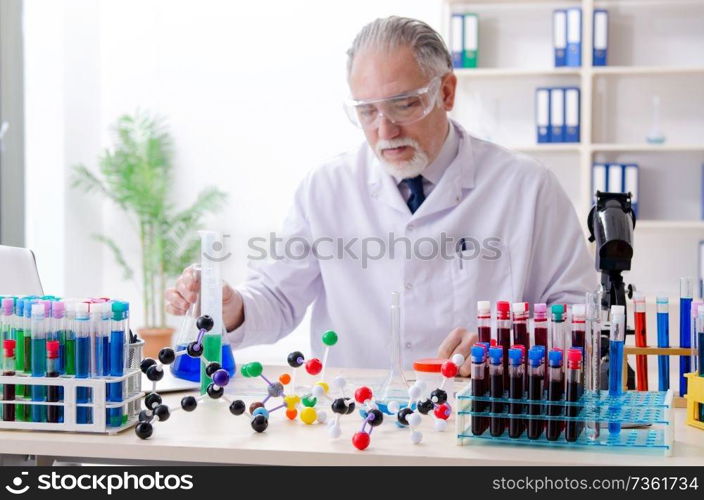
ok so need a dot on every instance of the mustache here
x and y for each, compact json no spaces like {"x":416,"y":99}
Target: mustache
{"x":396,"y":143}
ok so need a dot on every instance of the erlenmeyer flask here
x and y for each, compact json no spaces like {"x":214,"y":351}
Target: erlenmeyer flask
{"x":186,"y":367}
{"x":394,"y":386}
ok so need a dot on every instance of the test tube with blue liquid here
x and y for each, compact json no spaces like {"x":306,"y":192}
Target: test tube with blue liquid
{"x":118,"y":345}
{"x":103,"y":313}
{"x":685,"y":325}
{"x":663,"y":323}
{"x":616,"y":341}
{"x":83,"y":360}
{"x":38,"y":351}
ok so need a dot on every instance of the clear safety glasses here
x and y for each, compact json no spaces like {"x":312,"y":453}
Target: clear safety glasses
{"x":402,"y":109}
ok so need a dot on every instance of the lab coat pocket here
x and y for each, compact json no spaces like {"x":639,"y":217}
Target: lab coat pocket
{"x":482,"y":271}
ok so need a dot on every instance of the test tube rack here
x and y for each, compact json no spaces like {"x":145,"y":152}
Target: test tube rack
{"x":130,"y":405}
{"x":645,"y":417}
{"x":695,"y":400}
{"x":677,"y":401}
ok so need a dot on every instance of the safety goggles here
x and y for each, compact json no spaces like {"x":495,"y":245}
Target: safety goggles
{"x":402,"y":109}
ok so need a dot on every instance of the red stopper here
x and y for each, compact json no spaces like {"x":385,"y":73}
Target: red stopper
{"x":52,"y":349}
{"x":448,"y":369}
{"x":314,"y":366}
{"x":574,"y":359}
{"x":363,"y":394}
{"x":503,"y":310}
{"x":8,"y":346}
{"x":492,"y":343}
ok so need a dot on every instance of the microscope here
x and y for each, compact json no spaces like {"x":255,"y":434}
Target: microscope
{"x":611,"y":222}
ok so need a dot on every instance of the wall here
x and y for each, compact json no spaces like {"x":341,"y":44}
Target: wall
{"x":252,"y":92}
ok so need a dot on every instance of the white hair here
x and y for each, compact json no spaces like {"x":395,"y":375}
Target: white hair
{"x":392,"y":32}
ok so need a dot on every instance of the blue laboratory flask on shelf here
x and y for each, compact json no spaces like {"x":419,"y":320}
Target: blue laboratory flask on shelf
{"x":186,"y":367}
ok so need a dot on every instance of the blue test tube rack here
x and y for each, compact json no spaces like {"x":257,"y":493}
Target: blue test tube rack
{"x":650,"y":411}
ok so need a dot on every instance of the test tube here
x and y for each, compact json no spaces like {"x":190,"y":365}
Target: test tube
{"x":520,"y":324}
{"x":694,"y":362}
{"x":106,"y":321}
{"x":38,"y":350}
{"x":536,"y":368}
{"x":557,"y":327}
{"x":8,"y":369}
{"x":496,"y":377}
{"x":516,"y":375}
{"x":478,"y":423}
{"x":592,"y":356}
{"x":641,"y":341}
{"x":685,"y":334}
{"x":6,"y":332}
{"x":70,"y":345}
{"x":540,"y":327}
{"x":20,"y":333}
{"x":616,"y":341}
{"x":83,"y":360}
{"x":484,"y":320}
{"x":555,"y":393}
{"x":118,"y":342}
{"x":698,"y":344}
{"x":57,"y":332}
{"x":53,"y":412}
{"x":663,"y":321}
{"x":578,"y":326}
{"x":503,"y":332}
{"x":574,"y":390}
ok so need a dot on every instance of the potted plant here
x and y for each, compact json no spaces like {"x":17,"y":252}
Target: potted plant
{"x":137,"y":175}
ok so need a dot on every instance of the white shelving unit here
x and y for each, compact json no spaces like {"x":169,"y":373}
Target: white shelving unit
{"x":656,"y":47}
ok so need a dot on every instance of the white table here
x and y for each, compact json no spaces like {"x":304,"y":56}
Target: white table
{"x":211,"y":434}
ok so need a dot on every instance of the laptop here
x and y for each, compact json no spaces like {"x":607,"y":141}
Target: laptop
{"x":18,"y":272}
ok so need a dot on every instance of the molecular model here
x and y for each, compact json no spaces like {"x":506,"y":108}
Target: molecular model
{"x":407,"y":416}
{"x":258,"y":413}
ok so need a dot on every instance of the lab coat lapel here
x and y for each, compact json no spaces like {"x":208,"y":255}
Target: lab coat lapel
{"x":458,"y":176}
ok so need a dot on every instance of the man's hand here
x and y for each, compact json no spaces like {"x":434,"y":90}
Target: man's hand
{"x":185,"y":292}
{"x":460,"y":341}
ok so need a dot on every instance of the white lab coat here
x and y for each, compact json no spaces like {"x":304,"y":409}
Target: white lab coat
{"x":512,"y":212}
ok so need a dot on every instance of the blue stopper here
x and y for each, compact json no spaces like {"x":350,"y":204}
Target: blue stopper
{"x":555,"y":358}
{"x":515,"y":357}
{"x":477,"y":354}
{"x":536,"y":356}
{"x":496,"y":355}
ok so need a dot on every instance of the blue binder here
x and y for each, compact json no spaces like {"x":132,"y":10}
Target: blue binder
{"x":557,"y":114}
{"x":457,"y":39}
{"x":559,"y":37}
{"x":572,"y":114}
{"x":630,"y":184}
{"x":574,"y":37}
{"x":600,"y":38}
{"x":542,"y":114}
